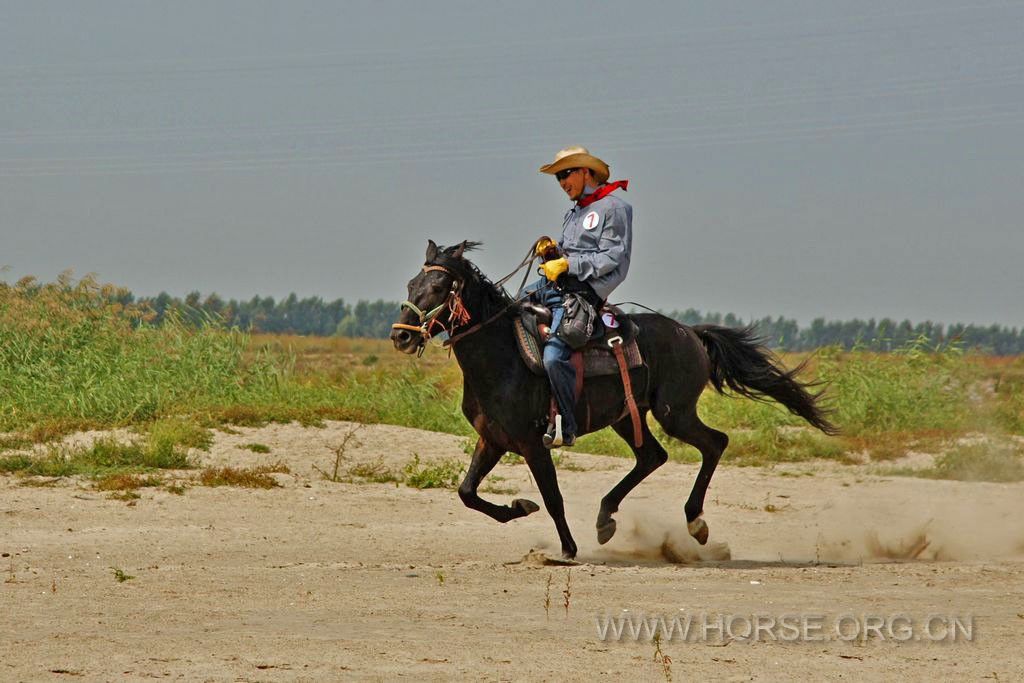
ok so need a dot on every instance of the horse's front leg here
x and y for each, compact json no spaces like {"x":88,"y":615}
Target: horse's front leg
{"x":543,"y":470}
{"x":485,"y":457}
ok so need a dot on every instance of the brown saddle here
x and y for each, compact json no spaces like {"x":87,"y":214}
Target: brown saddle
{"x":532,"y":331}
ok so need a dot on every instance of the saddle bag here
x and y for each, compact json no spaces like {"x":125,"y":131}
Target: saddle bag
{"x":577,"y":324}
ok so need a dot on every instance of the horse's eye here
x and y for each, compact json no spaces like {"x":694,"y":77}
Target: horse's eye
{"x":436,"y":289}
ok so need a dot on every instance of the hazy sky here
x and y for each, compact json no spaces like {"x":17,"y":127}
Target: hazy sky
{"x":802,"y":158}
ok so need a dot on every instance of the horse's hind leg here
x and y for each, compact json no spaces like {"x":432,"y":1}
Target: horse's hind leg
{"x":649,"y":457}
{"x":711,"y":443}
{"x":485,"y":457}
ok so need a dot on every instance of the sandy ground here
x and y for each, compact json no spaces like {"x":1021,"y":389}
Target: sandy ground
{"x":341,"y":581}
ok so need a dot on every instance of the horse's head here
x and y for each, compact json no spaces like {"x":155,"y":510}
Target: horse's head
{"x":435,"y":298}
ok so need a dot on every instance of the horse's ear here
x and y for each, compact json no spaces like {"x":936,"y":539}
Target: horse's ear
{"x":465,"y":245}
{"x":431,"y":251}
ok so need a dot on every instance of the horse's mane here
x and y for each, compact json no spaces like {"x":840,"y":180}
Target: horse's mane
{"x":479,"y":291}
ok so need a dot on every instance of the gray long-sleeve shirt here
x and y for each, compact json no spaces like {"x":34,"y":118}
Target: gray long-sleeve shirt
{"x":597,"y":239}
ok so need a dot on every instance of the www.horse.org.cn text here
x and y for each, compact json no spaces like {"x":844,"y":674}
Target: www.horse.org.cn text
{"x":707,"y":627}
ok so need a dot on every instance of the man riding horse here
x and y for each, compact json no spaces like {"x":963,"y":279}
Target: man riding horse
{"x":597,"y":237}
{"x":506,"y":402}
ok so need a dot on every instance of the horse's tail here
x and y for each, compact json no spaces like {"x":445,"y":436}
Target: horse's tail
{"x":740,"y":360}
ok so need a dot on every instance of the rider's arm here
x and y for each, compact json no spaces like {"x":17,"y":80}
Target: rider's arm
{"x":612,"y":249}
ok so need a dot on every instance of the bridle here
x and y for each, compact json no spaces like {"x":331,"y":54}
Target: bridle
{"x":457,"y":313}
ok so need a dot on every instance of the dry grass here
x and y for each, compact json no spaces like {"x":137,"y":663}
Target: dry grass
{"x":499,"y":489}
{"x":1000,"y":462}
{"x":126,"y":482}
{"x":374,"y":472}
{"x":51,"y":429}
{"x":37,"y":483}
{"x":339,"y":454}
{"x":245,"y":477}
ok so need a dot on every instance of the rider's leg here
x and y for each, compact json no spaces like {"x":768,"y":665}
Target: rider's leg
{"x":557,"y":353}
{"x":562,"y":376}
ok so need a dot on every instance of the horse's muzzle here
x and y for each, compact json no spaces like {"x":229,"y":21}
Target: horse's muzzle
{"x":405,"y":341}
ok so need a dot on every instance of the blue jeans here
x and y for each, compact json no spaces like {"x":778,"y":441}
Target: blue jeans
{"x":557,"y":353}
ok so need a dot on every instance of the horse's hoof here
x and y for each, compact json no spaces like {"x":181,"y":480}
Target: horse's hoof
{"x":698,"y":528}
{"x":605,"y":531}
{"x":526,"y":507}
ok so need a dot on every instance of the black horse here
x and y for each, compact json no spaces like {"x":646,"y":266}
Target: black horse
{"x":508,"y":405}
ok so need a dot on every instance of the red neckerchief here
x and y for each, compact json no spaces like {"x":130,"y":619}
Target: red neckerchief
{"x":601,"y":193}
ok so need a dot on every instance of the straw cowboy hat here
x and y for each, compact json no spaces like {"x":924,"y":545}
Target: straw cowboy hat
{"x":578,"y":157}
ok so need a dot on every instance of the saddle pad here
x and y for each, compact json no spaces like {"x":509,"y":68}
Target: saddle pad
{"x":597,"y":361}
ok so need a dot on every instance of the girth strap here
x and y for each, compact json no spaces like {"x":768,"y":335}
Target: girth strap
{"x":634,"y":413}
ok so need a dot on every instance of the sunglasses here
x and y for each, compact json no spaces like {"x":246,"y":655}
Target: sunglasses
{"x":562,"y":175}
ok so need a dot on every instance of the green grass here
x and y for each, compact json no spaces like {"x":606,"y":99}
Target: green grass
{"x":747,"y":447}
{"x":978,"y":462}
{"x":766,"y":447}
{"x":910,"y":390}
{"x":177,"y":432}
{"x":498,"y":489}
{"x":256,"y":447}
{"x":66,"y":353}
{"x":163,"y":446}
{"x":880,"y":401}
{"x":73,"y":358}
{"x":70,"y":359}
{"x":105,"y":457}
{"x":405,"y":395}
{"x":444,"y":474}
{"x":120,"y":575}
{"x":1008,"y":411}
{"x":439,"y":474}
{"x":12,"y":442}
{"x":408,"y":395}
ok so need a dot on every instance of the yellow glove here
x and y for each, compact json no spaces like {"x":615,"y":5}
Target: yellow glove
{"x":545,"y":247}
{"x":552,"y":269}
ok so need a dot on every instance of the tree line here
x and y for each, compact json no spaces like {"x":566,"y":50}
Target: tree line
{"x":315,"y":316}
{"x":876,"y":335}
{"x":290,"y":315}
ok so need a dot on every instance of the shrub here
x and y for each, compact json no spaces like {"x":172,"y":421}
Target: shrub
{"x":444,"y":474}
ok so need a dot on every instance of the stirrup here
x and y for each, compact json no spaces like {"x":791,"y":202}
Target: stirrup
{"x":554,"y":438}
